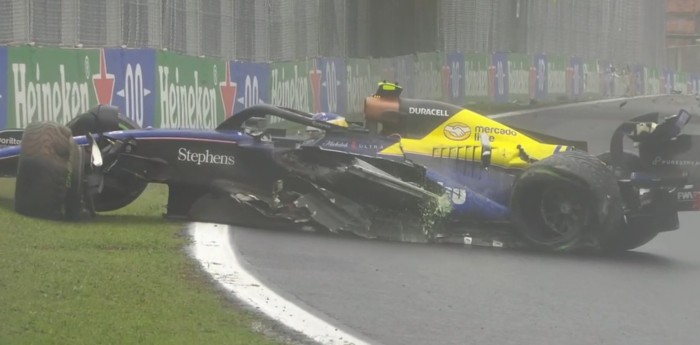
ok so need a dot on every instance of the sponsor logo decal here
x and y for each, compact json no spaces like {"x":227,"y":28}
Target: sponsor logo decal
{"x":291,"y":91}
{"x":427,"y":111}
{"x":359,"y":85}
{"x":518,"y":78}
{"x":185,"y":100}
{"x":103,"y":82}
{"x":133,"y":93}
{"x":688,"y":195}
{"x":206,"y":157}
{"x":336,"y":144}
{"x":126,"y":80}
{"x":658,"y":160}
{"x":55,"y":97}
{"x":477,"y":79}
{"x":371,"y":146}
{"x":228,"y":90}
{"x":457,"y":131}
{"x":364,"y":146}
{"x":251,"y":94}
{"x":494,"y":130}
{"x":10,"y":141}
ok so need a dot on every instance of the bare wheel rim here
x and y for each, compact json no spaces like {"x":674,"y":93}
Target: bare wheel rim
{"x":563,"y":213}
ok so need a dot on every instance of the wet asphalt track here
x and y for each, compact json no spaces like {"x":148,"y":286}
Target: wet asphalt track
{"x":407,"y":294}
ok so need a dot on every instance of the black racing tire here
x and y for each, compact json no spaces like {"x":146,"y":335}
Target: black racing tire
{"x":118,"y":190}
{"x":567,"y":201}
{"x":635,"y":233}
{"x":50,"y":172}
{"x":630,"y":162}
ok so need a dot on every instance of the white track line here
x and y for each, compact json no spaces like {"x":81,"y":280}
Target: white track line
{"x":573,"y":105}
{"x":213,"y":249}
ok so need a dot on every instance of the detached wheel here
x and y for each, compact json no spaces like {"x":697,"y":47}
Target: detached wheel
{"x":635,"y":233}
{"x":50,"y":174}
{"x":567,"y":201}
{"x":118,"y":190}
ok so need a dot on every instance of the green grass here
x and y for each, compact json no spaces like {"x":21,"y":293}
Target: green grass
{"x":122,"y":279}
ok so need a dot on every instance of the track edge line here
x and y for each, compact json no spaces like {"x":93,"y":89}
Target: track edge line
{"x":212,"y":248}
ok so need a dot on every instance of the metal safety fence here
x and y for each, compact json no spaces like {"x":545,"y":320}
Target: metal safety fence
{"x":684,"y":58}
{"x":242,"y":29}
{"x":272,"y":30}
{"x":630,"y":31}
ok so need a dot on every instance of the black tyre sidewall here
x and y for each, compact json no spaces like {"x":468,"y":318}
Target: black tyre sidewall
{"x":578,"y":169}
{"x":78,"y":205}
{"x":49,"y":173}
{"x":525,"y":210}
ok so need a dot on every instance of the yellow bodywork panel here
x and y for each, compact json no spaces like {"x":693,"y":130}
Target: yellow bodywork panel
{"x":459,"y":137}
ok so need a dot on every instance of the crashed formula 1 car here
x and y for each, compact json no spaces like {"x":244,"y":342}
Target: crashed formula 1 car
{"x":417,"y":171}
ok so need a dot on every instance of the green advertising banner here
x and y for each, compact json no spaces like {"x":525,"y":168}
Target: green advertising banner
{"x":428,"y":80}
{"x":191,"y":91}
{"x":179,"y":91}
{"x":476,"y":66}
{"x":289,"y":84}
{"x":652,"y":80}
{"x":680,"y":82}
{"x":519,"y":77}
{"x":591,"y":78}
{"x":360,"y":83}
{"x":556,"y":81}
{"x":50,"y":84}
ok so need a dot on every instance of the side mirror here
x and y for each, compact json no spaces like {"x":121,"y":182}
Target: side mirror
{"x":485,"y":150}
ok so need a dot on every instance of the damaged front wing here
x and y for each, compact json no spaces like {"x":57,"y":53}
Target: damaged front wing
{"x":342,"y":194}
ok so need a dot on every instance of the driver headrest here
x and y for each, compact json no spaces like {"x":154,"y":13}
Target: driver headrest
{"x":98,"y":119}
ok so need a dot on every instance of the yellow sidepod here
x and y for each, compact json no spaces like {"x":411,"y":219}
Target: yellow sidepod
{"x":460,"y":137}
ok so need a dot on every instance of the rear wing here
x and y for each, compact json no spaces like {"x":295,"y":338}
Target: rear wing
{"x":667,"y":154}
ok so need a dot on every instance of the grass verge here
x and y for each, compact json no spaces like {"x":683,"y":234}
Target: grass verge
{"x":122,"y":279}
